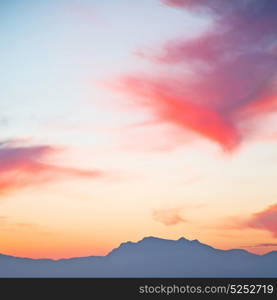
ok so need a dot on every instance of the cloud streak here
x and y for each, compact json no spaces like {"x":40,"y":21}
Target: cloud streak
{"x":9,"y":225}
{"x":25,"y":166}
{"x":264,"y":245}
{"x":232,"y":72}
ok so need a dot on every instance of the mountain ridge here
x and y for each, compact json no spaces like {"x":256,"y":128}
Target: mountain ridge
{"x":149,"y":257}
{"x":181,"y":239}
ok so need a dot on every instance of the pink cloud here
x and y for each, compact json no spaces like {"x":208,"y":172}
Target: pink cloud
{"x":265,"y":220}
{"x":24,"y":166}
{"x":232,"y":72}
{"x":169,"y":106}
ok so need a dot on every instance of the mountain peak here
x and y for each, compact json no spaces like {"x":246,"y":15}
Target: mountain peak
{"x":156,"y":239}
{"x":150,"y":238}
{"x":155,"y":244}
{"x":182,"y":239}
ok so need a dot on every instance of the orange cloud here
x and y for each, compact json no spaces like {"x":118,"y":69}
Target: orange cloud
{"x":168,"y":216}
{"x":23,"y":166}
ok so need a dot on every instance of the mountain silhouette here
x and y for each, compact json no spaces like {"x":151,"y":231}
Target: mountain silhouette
{"x":150,"y":257}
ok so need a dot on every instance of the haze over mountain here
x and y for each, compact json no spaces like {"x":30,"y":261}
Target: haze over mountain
{"x":150,"y":257}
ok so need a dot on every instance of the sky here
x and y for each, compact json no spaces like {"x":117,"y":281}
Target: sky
{"x":124,"y":119}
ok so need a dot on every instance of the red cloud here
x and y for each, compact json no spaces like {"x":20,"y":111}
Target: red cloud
{"x":168,"y":105}
{"x":168,"y":216}
{"x":233,"y":71}
{"x":23,"y":166}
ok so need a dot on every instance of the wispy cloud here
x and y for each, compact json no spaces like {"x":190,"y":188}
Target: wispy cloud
{"x":168,"y":217}
{"x":24,"y":165}
{"x":264,"y":245}
{"x":9,"y":225}
{"x":232,"y":72}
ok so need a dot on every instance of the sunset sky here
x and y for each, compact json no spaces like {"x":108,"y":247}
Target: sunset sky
{"x":123,"y":119}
